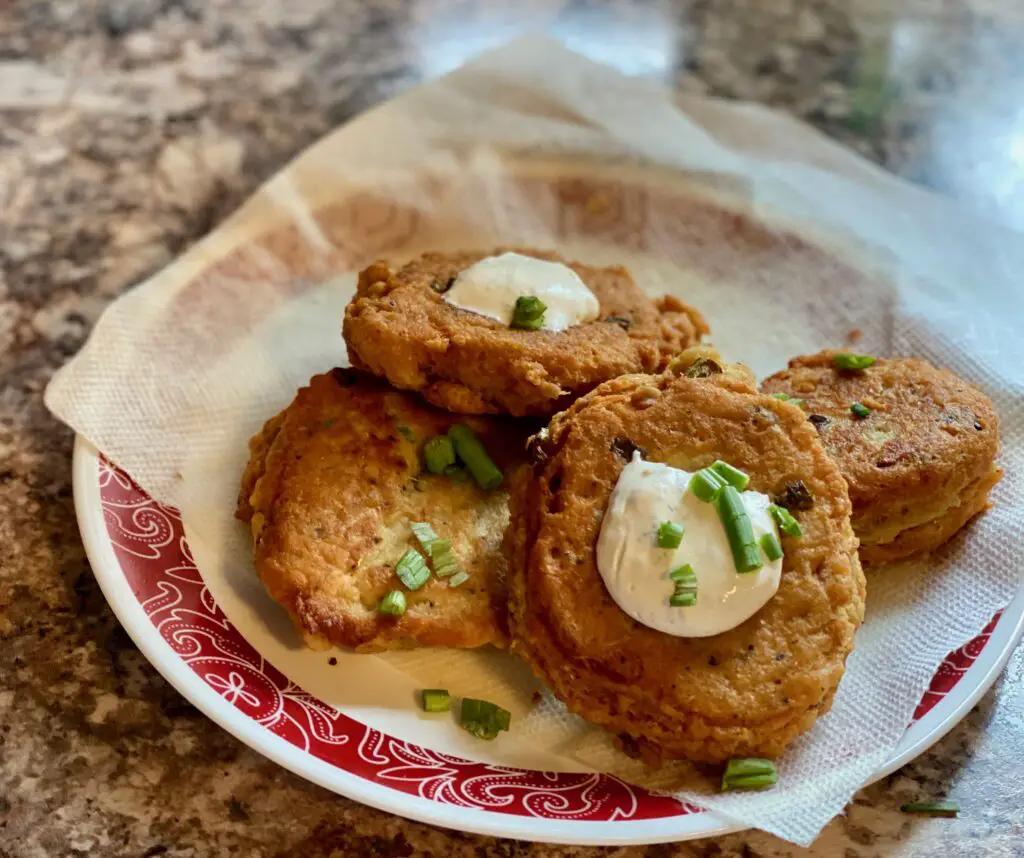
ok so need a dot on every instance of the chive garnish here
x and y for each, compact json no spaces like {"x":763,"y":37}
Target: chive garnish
{"x":424,"y":534}
{"x":443,"y":558}
{"x":472,"y":452}
{"x":393,"y":604}
{"x":685,"y":595}
{"x":458,"y":578}
{"x":439,"y":454}
{"x":859,"y":410}
{"x":482,"y":718}
{"x":738,"y":530}
{"x":792,"y":400}
{"x":771,"y":546}
{"x":749,"y":773}
{"x":931,"y":808}
{"x":706,"y":485}
{"x":733,"y":476}
{"x":436,"y":700}
{"x":670,"y":534}
{"x":849,"y":360}
{"x":528,"y":313}
{"x":784,"y":519}
{"x":412,"y":569}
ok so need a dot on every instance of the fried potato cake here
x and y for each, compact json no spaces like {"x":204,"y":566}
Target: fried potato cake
{"x":746,"y":692}
{"x":330,"y":490}
{"x":919,"y":466}
{"x":399,"y":327}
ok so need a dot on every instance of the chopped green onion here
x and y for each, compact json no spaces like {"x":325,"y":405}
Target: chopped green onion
{"x":472,"y":452}
{"x":849,"y":360}
{"x":443,"y":558}
{"x":424,"y":534}
{"x":682,"y":600}
{"x":458,"y":578}
{"x":739,"y":530}
{"x":792,"y":400}
{"x":749,"y":773}
{"x":685,"y":595}
{"x":784,"y":519}
{"x":670,"y":534}
{"x":528,"y":313}
{"x":684,"y":573}
{"x":859,"y":410}
{"x":436,"y":700}
{"x":733,"y":476}
{"x":412,"y":569}
{"x":706,"y":484}
{"x":393,"y":604}
{"x":931,"y":808}
{"x":439,"y":454}
{"x":482,"y":718}
{"x":771,"y":546}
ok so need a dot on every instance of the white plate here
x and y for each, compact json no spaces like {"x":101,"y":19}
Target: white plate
{"x":141,"y":559}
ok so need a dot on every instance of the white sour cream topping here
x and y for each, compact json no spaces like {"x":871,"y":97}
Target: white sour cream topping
{"x":491,"y":286}
{"x":635,"y":570}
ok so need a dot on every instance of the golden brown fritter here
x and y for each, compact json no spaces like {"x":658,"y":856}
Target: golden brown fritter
{"x":748,"y":691}
{"x":920,"y":466}
{"x":399,"y":327}
{"x":331,"y":487}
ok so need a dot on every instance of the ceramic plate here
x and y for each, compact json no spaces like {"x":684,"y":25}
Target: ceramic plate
{"x":140,"y":555}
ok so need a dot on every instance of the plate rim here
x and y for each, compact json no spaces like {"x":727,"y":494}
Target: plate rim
{"x":918,"y":738}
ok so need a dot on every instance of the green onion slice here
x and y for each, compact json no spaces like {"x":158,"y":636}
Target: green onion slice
{"x":472,"y":452}
{"x":792,"y":400}
{"x":771,"y":546}
{"x":412,"y":569}
{"x":682,"y":600}
{"x":931,"y":808}
{"x":685,"y":595}
{"x":436,"y":700}
{"x":458,"y":578}
{"x":393,"y":604}
{"x":739,"y":530}
{"x":749,"y":773}
{"x":670,"y":534}
{"x":482,"y":718}
{"x":439,"y":453}
{"x":443,"y":558}
{"x":784,"y":519}
{"x":859,"y":410}
{"x":424,"y":534}
{"x":706,"y":484}
{"x":733,"y":476}
{"x":528,"y":313}
{"x":849,"y":360}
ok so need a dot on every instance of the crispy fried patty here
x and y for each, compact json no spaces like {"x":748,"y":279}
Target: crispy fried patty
{"x":748,"y":691}
{"x":398,"y":326}
{"x":331,"y":486}
{"x":920,"y":466}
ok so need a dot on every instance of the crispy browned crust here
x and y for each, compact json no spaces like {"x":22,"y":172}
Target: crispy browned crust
{"x":749,"y":691}
{"x":331,"y":486}
{"x":920,"y":466}
{"x":398,"y":326}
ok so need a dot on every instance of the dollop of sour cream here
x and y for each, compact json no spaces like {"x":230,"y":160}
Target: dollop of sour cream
{"x":636,"y":571}
{"x":491,"y":286}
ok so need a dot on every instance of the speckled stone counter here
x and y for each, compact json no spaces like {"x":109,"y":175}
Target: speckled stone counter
{"x":128,"y":128}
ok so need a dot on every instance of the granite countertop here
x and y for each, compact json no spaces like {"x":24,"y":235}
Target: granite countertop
{"x":128,"y":128}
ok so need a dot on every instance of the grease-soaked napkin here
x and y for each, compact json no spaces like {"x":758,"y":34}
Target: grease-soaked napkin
{"x":533,"y":144}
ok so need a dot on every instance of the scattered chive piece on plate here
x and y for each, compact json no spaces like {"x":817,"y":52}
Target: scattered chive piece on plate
{"x":685,"y":595}
{"x":670,"y":534}
{"x":706,"y":484}
{"x":472,"y":452}
{"x":749,"y":773}
{"x":771,"y":547}
{"x":412,"y":569}
{"x":424,"y":534}
{"x":482,"y":718}
{"x":859,"y":410}
{"x":931,"y":808}
{"x":458,"y":578}
{"x":739,"y":530}
{"x":784,"y":519}
{"x":849,"y":360}
{"x":436,"y":700}
{"x":528,"y":313}
{"x":439,"y":453}
{"x":733,"y":476}
{"x":443,"y":558}
{"x":393,"y":604}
